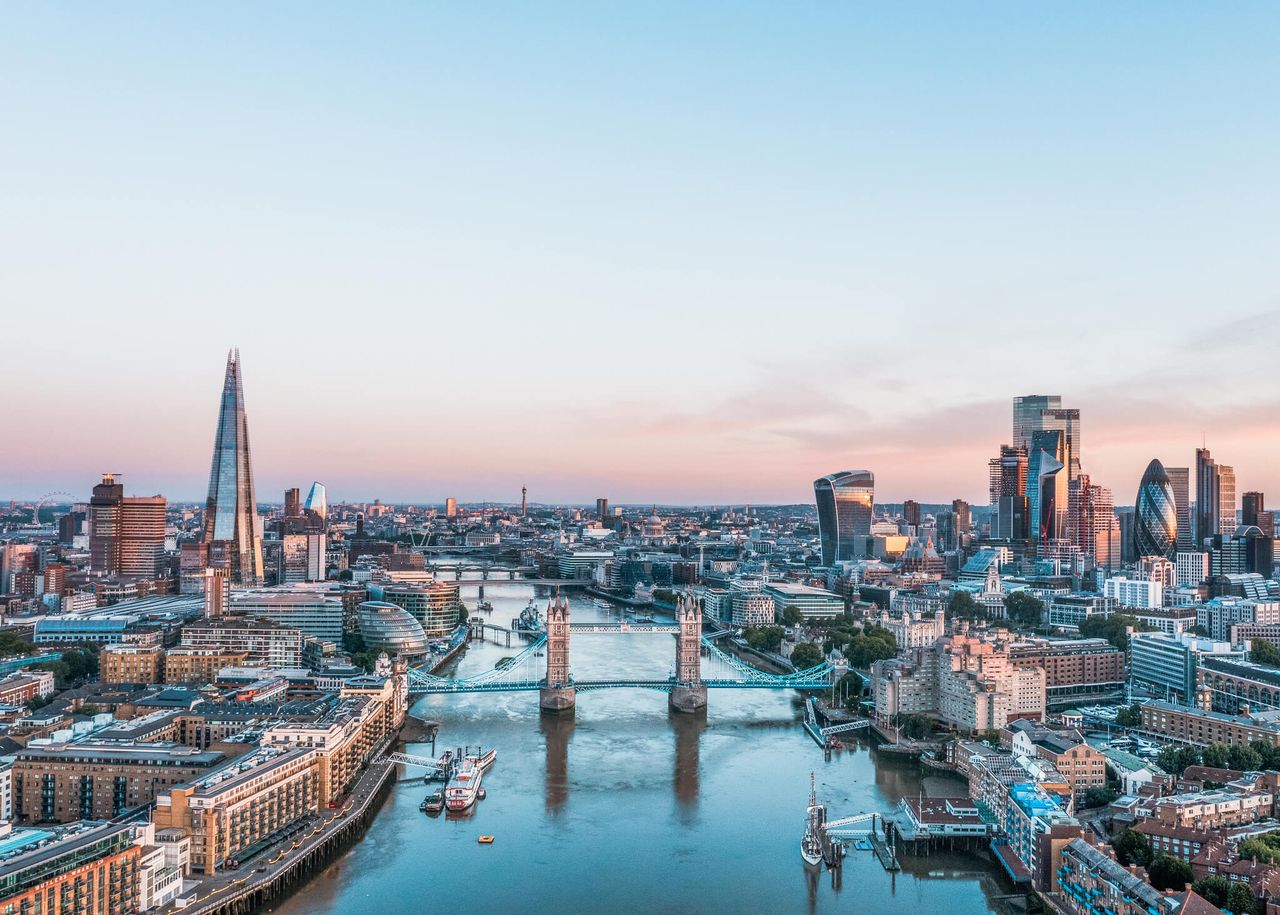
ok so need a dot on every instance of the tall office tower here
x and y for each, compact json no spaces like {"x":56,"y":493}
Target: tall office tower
{"x":451,"y":507}
{"x":1180,"y":480}
{"x":1155,"y":529}
{"x":126,"y":533}
{"x":1028,"y":416}
{"x":1254,"y":513}
{"x":1090,"y":515}
{"x":602,"y":509}
{"x":1008,"y":483}
{"x":845,"y":501}
{"x":232,"y":529}
{"x":911,"y":512}
{"x":1047,"y":487}
{"x":1207,"y":496}
{"x":292,"y":502}
{"x":1226,"y":499}
{"x":318,"y":502}
{"x":963,"y":521}
{"x":1067,"y":422}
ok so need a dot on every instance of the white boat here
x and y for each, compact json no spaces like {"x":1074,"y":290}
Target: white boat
{"x":465,"y":787}
{"x":811,"y":842}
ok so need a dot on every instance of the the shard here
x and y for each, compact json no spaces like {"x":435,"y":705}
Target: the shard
{"x":232,"y":529}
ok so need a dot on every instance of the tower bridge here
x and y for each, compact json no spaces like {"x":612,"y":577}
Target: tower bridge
{"x":544,"y":666}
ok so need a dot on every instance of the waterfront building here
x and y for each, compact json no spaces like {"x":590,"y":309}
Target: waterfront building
{"x":91,"y":867}
{"x":581,"y":563}
{"x":1166,"y":666}
{"x":388,"y":627}
{"x":1201,"y":727}
{"x":242,"y":803}
{"x":1081,"y":765}
{"x":813,"y":603}
{"x":232,"y":531}
{"x":98,"y":779}
{"x":1134,"y":592}
{"x":1031,"y":813}
{"x":1076,"y":670}
{"x":347,"y":737}
{"x":1218,"y":615}
{"x":126,"y":533}
{"x":315,"y":610}
{"x":262,"y":642}
{"x":436,"y":605}
{"x":1092,"y":881}
{"x":845,"y":503}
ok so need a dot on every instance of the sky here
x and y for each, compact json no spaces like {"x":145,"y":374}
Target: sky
{"x":655,"y":252}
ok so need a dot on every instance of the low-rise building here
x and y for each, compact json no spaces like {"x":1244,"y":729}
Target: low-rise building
{"x":1076,"y":670}
{"x":1214,"y":809}
{"x":131,"y":664}
{"x":1201,"y":727}
{"x":22,"y":688}
{"x":261,"y":642}
{"x":813,"y":603}
{"x":90,"y":867}
{"x":1090,"y":881}
{"x":186,"y":664}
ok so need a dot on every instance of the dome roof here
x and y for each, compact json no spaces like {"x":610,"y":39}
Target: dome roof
{"x":391,"y":628}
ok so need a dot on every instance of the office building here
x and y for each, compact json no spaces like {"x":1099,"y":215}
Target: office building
{"x":911,"y":513}
{"x":436,"y":605}
{"x":1215,"y":497}
{"x":263,"y":643}
{"x":315,"y":610}
{"x":388,"y":627}
{"x":1166,"y":666}
{"x":1218,"y":615}
{"x":184,"y":664}
{"x":451,"y":507}
{"x":302,"y":557}
{"x":1155,"y":531}
{"x":292,"y":502}
{"x":1180,"y":480}
{"x":813,"y":603}
{"x":1253,"y":513}
{"x":1047,"y":488}
{"x":1190,"y":568}
{"x":126,"y":533}
{"x":232,"y":529}
{"x":1090,"y":515}
{"x":1008,"y":493}
{"x":845,"y":503}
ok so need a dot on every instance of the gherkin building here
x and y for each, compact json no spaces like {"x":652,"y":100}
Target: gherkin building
{"x":1155,"y":529}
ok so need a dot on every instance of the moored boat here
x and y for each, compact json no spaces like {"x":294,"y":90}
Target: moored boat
{"x":465,"y":787}
{"x":434,"y":802}
{"x":811,"y":842}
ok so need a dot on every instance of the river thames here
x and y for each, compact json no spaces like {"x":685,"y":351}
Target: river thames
{"x":627,"y":807}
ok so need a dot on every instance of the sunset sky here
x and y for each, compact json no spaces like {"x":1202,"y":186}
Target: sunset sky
{"x":673,"y":253}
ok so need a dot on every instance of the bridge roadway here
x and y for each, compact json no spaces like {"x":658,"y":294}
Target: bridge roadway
{"x":544,"y":582}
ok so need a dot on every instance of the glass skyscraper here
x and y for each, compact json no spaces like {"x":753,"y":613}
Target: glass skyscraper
{"x":845,"y":501}
{"x":1155,"y":529}
{"x":232,"y":529}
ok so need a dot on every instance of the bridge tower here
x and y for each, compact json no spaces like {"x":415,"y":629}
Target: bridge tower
{"x":689,"y":694}
{"x":557,"y":693}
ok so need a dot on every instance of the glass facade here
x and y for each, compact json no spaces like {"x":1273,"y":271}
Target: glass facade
{"x":231,"y":513}
{"x":1046,"y":486}
{"x":387,"y":627}
{"x":845,"y":503}
{"x":1155,"y":529}
{"x":318,"y":501}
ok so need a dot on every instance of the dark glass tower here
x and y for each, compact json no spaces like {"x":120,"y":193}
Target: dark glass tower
{"x":845,"y":503}
{"x":1155,"y":529}
{"x":231,"y":527}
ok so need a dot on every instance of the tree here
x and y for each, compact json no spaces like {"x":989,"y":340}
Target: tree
{"x":1098,"y":797}
{"x":1214,"y":889}
{"x":1166,"y":872}
{"x":1263,"y":652}
{"x":1024,"y":609}
{"x":1214,"y":756}
{"x":1240,"y":899}
{"x":1243,"y":759}
{"x":1132,"y":847}
{"x":1175,"y":760}
{"x":914,"y":727}
{"x":765,"y":638}
{"x":792,"y":616}
{"x":12,"y":644}
{"x":1112,"y":628}
{"x":806,"y":655}
{"x":89,"y":709}
{"x":1129,"y":716}
{"x":963,"y":606}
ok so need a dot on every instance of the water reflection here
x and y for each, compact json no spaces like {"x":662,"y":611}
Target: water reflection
{"x":688,"y":730}
{"x":556,"y":730}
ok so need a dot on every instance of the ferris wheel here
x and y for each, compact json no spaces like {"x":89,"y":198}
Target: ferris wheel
{"x":50,"y":498}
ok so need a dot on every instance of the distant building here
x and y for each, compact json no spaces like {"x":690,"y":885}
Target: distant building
{"x":232,"y":529}
{"x":126,"y":533}
{"x":1156,"y":525}
{"x":845,"y":503}
{"x":813,"y":603}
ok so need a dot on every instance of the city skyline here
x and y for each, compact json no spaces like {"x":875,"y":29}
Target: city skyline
{"x":456,"y":266}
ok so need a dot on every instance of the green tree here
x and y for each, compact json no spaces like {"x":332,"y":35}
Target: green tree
{"x":792,"y":616}
{"x":1243,"y":758}
{"x":1132,"y":847}
{"x":806,"y":655}
{"x":1129,"y":716}
{"x":1259,"y":849}
{"x":1240,"y":899}
{"x":1214,"y":889}
{"x":1024,"y":610}
{"x":914,"y":727}
{"x":963,"y":606}
{"x":12,"y":644}
{"x":1263,"y":652}
{"x":1112,"y":628}
{"x":765,"y":638}
{"x":1166,"y":872}
{"x":874,"y":644}
{"x":1098,"y":797}
{"x":88,"y":709}
{"x":1174,"y":759}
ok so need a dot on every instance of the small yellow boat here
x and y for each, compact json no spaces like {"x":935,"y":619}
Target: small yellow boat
{"x":485,"y":840}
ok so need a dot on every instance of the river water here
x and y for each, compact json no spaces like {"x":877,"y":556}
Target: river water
{"x":625,"y":807}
